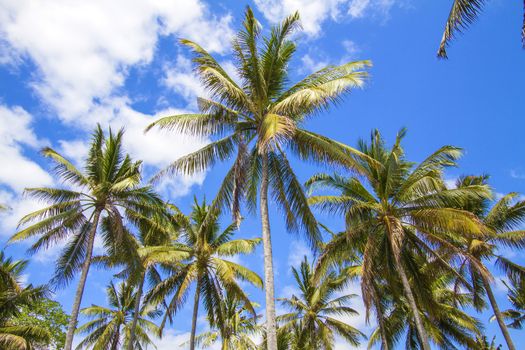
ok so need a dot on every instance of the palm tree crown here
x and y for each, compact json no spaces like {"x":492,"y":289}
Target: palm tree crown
{"x":109,"y":327}
{"x":399,"y":206}
{"x":502,"y":221}
{"x":256,"y":119}
{"x":13,"y":296}
{"x":314,"y":313}
{"x":200,"y":256}
{"x":109,"y":187}
{"x":237,"y":329}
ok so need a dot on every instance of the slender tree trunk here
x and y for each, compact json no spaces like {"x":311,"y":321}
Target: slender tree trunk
{"x":271,"y":327}
{"x":116,"y":340}
{"x":81,"y":283}
{"x":195,"y":314}
{"x":380,"y":320}
{"x":497,"y":314}
{"x":396,"y":237}
{"x":136,"y":310}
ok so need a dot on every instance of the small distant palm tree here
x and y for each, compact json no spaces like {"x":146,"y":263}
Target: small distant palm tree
{"x":462,"y":14}
{"x":109,"y":187}
{"x":200,"y":257}
{"x":236,"y":330}
{"x":314,"y":313}
{"x":503,"y":219}
{"x":516,"y":295}
{"x":259,"y":120}
{"x":395,"y":205}
{"x":482,"y":343}
{"x":109,"y":327}
{"x":13,"y":296}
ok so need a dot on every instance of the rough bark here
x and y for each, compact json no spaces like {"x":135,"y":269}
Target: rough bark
{"x":271,"y":327}
{"x":497,"y":313}
{"x":396,"y":239}
{"x":195,"y":314}
{"x":81,"y":283}
{"x":136,"y":310}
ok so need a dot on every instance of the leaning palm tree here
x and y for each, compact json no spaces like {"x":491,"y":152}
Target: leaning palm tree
{"x":315,"y":313}
{"x":504,"y":219}
{"x":108,"y":188}
{"x":516,"y":295}
{"x":397,"y":204}
{"x":201,"y":258}
{"x":109,"y":327}
{"x":258,"y":119}
{"x":14,"y":296}
{"x":462,"y":14}
{"x":236,"y":330}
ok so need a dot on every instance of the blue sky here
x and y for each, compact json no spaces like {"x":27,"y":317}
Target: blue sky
{"x":64,"y":66}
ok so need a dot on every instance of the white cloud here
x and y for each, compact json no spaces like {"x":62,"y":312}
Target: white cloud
{"x":311,"y":64}
{"x":83,"y":50}
{"x":74,"y":150}
{"x":315,"y":12}
{"x":16,"y":133}
{"x":298,"y":250}
{"x":172,"y":340}
{"x":18,"y":207}
{"x":317,"y":59}
{"x":83,"y":53}
{"x":357,"y":8}
{"x":515,"y":174}
{"x":181,"y":79}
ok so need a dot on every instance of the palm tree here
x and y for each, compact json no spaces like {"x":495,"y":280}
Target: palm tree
{"x":503,"y":220}
{"x":516,"y":295}
{"x":13,"y":296}
{"x":462,"y":14}
{"x":108,"y":187}
{"x":110,"y":327}
{"x":313,"y":315}
{"x":400,"y":205}
{"x":257,"y":119}
{"x":236,"y":330}
{"x":200,"y":257}
{"x":154,"y":230}
{"x":483,"y":344}
{"x":445,"y":322}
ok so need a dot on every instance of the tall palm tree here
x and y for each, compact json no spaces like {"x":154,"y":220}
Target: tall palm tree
{"x":462,"y":14}
{"x":236,"y":330}
{"x":516,"y":295}
{"x":110,"y":327}
{"x":397,"y":204}
{"x":314,"y":312}
{"x":445,"y":321}
{"x":257,"y":120}
{"x":13,"y":295}
{"x":503,"y":220}
{"x":108,"y":187}
{"x":201,"y":257}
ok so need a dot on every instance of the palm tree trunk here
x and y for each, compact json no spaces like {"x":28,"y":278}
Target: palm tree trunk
{"x":195,"y":314}
{"x":271,"y":327}
{"x":396,"y":233}
{"x":497,"y":313}
{"x":136,"y":311}
{"x":413,"y":306}
{"x":81,"y":283}
{"x":380,"y":319}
